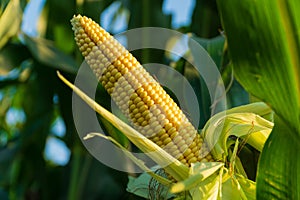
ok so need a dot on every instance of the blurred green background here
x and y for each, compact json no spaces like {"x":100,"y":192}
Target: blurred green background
{"x":41,"y":155}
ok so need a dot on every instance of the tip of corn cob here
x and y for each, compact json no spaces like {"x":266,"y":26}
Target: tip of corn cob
{"x":140,"y":97}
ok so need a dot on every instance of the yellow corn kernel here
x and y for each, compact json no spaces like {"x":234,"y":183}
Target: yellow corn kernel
{"x":148,"y":107}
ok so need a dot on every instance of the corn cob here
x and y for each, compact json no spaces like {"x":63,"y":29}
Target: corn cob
{"x":140,"y":97}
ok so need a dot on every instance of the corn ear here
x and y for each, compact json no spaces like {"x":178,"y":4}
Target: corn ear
{"x":140,"y":97}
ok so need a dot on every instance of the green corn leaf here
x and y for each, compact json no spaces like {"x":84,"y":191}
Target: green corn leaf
{"x":45,"y":52}
{"x":278,"y":173}
{"x":264,"y":45}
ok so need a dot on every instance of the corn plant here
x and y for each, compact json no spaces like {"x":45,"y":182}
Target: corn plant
{"x":160,"y":127}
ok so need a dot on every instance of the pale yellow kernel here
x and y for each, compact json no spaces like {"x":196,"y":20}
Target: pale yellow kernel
{"x":156,"y":129}
{"x":168,"y":126}
{"x":123,"y":84}
{"x":106,"y":51}
{"x":164,"y":136}
{"x":150,"y":103}
{"x":124,"y":107}
{"x":177,"y":139}
{"x":174,"y":134}
{"x":129,"y":65}
{"x":158,"y":100}
{"x":176,"y":153}
{"x":127,"y":87}
{"x":108,"y":75}
{"x":139,"y":104}
{"x":133,"y":96}
{"x":183,"y":161}
{"x":91,"y":45}
{"x":155,"y":139}
{"x":144,"y":123}
{"x":154,"y":121}
{"x":112,"y":79}
{"x":140,"y":119}
{"x":82,"y":48}
{"x":118,"y":75}
{"x":183,"y":147}
{"x":180,"y":143}
{"x":167,"y":141}
{"x":110,"y":90}
{"x":104,"y":60}
{"x":160,"y":131}
{"x":84,"y":35}
{"x":88,"y":49}
{"x":194,"y":149}
{"x":148,"y":116}
{"x":148,"y":87}
{"x":140,"y":90}
{"x":137,"y":115}
{"x":114,"y":72}
{"x":171,"y":130}
{"x":192,"y":160}
{"x":146,"y":112}
{"x":101,"y":46}
{"x":180,"y":156}
{"x":191,"y":155}
{"x":161,"y":117}
{"x":155,"y":111}
{"x":137,"y":100}
{"x":123,"y":94}
{"x":135,"y":111}
{"x":124,"y":71}
{"x":171,"y":147}
{"x":81,"y":31}
{"x":187,"y":152}
{"x":144,"y":108}
{"x":132,"y":107}
{"x":110,"y":67}
{"x":81,"y":41}
{"x":151,"y":93}
{"x":190,"y":140}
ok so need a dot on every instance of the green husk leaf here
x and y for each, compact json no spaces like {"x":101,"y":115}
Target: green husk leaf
{"x":249,"y":126}
{"x":238,"y":187}
{"x":132,"y":157}
{"x":171,"y":165}
{"x":140,"y":185}
{"x":198,"y":173}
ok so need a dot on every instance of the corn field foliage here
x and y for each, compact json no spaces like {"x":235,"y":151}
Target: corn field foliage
{"x":255,"y":45}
